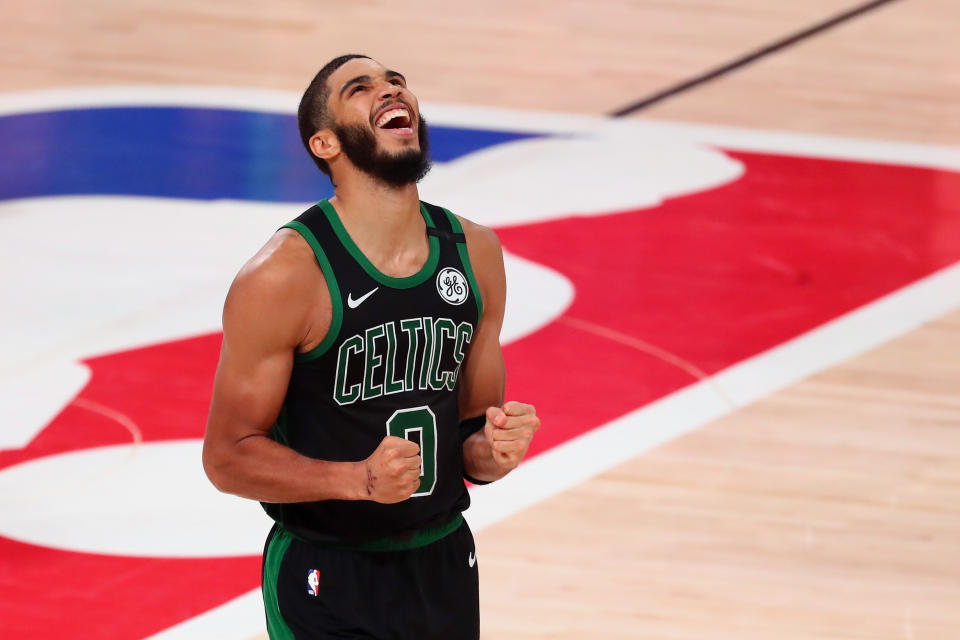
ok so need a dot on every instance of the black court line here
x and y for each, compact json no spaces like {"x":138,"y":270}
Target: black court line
{"x":746,"y":59}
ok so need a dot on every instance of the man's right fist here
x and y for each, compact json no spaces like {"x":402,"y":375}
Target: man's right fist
{"x":393,"y":471}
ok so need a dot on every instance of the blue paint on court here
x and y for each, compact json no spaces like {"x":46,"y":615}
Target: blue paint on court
{"x":180,"y":152}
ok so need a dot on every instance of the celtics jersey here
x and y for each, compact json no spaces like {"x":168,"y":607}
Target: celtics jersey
{"x":389,"y":365}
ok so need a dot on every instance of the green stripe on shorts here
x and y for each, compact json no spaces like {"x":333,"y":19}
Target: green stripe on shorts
{"x":279,"y":543}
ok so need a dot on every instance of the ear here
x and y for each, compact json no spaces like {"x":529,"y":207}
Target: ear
{"x":324,"y":144}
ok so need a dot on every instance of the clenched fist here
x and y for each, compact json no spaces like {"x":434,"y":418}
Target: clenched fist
{"x":509,"y":431}
{"x":393,"y":471}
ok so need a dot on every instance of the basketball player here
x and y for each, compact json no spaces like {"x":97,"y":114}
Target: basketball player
{"x":361,"y":380}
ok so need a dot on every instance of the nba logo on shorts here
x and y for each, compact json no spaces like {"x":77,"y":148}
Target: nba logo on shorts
{"x":313,"y":582}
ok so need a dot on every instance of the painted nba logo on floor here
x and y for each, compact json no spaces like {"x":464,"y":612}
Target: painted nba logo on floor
{"x":649,"y":232}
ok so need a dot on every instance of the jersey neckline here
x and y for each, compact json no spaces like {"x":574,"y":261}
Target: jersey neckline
{"x":405,"y":282}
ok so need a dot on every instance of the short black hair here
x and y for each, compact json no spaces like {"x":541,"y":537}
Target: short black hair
{"x":312,"y":115}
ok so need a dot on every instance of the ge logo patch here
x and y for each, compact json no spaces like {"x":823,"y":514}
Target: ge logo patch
{"x":451,"y":285}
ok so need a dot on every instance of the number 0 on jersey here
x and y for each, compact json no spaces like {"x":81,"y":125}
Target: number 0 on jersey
{"x":405,"y":423}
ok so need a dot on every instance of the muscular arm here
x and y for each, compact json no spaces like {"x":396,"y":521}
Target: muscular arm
{"x":491,"y":452}
{"x":265,"y":317}
{"x":278,"y":303}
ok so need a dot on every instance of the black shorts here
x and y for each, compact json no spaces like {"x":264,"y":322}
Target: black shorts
{"x":429,"y":592}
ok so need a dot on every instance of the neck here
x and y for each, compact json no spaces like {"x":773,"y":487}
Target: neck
{"x":384,"y":221}
{"x":366,"y":200}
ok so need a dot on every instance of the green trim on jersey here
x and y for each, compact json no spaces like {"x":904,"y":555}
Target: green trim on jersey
{"x":465,"y":259}
{"x":279,"y":543}
{"x":406,"y":282}
{"x":332,"y":286}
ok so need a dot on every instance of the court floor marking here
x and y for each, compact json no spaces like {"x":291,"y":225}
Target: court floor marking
{"x":274,"y":101}
{"x":587,"y":455}
{"x":567,"y":465}
{"x":120,"y":418}
{"x":747,"y":58}
{"x":571,"y":463}
{"x":659,"y":353}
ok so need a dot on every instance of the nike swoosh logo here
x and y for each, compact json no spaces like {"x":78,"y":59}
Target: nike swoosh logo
{"x":353,"y":304}
{"x":472,"y":560}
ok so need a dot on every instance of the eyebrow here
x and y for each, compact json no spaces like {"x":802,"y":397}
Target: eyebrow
{"x":389,"y":73}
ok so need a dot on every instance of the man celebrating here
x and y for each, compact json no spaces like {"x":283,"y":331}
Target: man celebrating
{"x":361,"y":380}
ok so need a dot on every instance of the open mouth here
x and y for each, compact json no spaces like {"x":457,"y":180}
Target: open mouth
{"x":396,"y":119}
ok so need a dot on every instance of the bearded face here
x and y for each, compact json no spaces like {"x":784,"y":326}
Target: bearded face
{"x":399,"y":169}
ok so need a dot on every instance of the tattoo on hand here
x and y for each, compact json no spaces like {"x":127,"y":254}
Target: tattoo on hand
{"x":370,"y":480}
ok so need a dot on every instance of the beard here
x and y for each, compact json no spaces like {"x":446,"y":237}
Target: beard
{"x":393,"y":169}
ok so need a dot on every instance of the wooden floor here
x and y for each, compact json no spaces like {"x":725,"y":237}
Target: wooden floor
{"x":828,"y":510}
{"x":891,"y":74}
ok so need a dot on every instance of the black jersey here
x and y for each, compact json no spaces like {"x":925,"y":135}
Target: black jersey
{"x":389,"y":365}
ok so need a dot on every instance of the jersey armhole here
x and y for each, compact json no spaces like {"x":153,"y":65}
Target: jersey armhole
{"x":465,"y":260}
{"x":335,"y":299}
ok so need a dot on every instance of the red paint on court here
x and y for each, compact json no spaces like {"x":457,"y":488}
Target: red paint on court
{"x":713,"y":278}
{"x":722,"y":275}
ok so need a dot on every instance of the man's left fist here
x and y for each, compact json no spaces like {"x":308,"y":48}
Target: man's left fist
{"x":509,"y":431}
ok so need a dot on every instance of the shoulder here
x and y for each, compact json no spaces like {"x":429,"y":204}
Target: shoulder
{"x":280,"y":264}
{"x":482,"y":243}
{"x":278,"y":278}
{"x":486,"y":260}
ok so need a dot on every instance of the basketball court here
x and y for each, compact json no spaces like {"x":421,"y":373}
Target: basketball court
{"x":732,"y":236}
